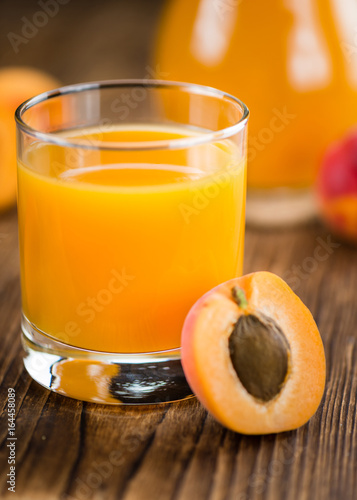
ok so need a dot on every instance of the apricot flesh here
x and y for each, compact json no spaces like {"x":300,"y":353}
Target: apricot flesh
{"x":213,"y":376}
{"x":17,"y":84}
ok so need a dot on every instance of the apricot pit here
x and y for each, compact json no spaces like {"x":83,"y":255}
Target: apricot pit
{"x":259,"y":353}
{"x":253,"y":355}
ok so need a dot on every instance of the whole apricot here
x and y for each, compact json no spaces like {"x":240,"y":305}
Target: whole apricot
{"x":253,"y":355}
{"x":337,"y":187}
{"x":16,"y":85}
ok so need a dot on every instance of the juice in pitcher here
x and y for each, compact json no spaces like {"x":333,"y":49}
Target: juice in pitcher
{"x":293,"y":62}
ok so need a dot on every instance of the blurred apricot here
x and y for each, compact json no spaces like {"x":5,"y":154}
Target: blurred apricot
{"x":17,"y":84}
{"x":336,"y":187}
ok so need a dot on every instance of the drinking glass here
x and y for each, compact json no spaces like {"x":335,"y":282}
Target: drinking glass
{"x":131,"y":203}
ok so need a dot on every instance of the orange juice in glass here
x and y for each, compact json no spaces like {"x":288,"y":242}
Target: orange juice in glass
{"x":293,"y":62}
{"x":131,"y":202}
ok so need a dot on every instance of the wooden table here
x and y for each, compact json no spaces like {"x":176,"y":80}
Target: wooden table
{"x":67,"y":449}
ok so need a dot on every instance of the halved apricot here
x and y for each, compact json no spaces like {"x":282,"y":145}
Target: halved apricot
{"x":253,"y":355}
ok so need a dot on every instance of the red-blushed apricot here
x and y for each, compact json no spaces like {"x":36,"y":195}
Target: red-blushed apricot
{"x":253,"y":355}
{"x":340,"y":215}
{"x":17,"y":84}
{"x":336,"y":187}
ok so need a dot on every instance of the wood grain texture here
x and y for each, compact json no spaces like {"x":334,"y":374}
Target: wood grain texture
{"x":72,"y":450}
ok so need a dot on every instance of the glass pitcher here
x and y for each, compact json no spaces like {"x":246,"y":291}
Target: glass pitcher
{"x":294,"y":62}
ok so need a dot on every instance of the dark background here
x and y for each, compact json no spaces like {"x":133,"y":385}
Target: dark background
{"x":84,"y":40}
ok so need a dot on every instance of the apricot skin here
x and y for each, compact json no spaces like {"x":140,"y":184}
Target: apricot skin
{"x":340,"y":215}
{"x":336,"y":187}
{"x":16,"y":85}
{"x":209,"y":370}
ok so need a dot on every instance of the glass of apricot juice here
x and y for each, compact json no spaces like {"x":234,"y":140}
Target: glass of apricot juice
{"x":131,"y":204}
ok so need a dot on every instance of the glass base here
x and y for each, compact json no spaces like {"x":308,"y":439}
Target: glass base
{"x":102,"y":377}
{"x":280,"y":207}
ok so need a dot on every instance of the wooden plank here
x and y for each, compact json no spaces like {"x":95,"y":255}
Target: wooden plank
{"x":67,"y":449}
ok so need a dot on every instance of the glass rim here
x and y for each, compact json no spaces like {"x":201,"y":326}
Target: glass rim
{"x":169,"y":144}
